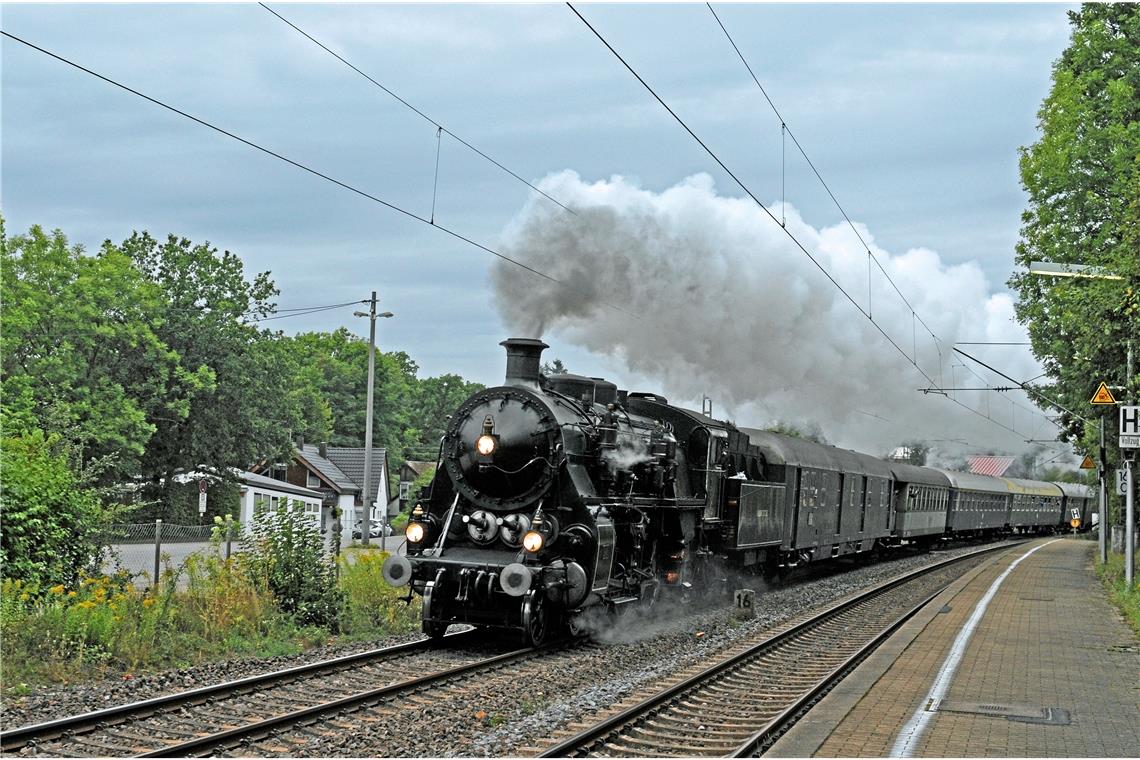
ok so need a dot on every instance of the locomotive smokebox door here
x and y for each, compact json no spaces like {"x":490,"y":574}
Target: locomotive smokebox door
{"x":745,"y":603}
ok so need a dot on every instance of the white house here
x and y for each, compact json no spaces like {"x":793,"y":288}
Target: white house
{"x":260,"y":492}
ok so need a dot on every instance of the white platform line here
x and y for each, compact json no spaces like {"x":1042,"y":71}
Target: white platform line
{"x":911,"y":733}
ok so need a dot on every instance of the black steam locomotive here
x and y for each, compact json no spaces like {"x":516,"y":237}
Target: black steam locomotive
{"x":558,"y":495}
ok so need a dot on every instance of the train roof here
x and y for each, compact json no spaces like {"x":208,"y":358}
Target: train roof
{"x":1076,"y":490}
{"x":783,"y":449}
{"x":971,"y":482}
{"x":927,"y":476}
{"x":1032,"y":487}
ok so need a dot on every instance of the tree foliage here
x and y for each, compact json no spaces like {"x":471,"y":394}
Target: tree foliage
{"x":409,"y":414}
{"x":82,"y":354}
{"x":810,"y":431}
{"x":50,"y":520}
{"x":147,"y":360}
{"x":1082,"y":177}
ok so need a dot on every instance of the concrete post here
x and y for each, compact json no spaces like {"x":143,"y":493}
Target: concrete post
{"x":157,"y":550}
{"x":1129,"y":524}
{"x":1103,"y":529}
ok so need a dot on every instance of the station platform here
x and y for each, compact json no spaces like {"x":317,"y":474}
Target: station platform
{"x":1039,"y":666}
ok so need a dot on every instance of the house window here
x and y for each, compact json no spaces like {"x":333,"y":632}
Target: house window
{"x":405,"y":489}
{"x":312,"y":481}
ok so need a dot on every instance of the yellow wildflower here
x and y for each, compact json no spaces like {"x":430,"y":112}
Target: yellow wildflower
{"x":86,"y":605}
{"x":72,"y":594}
{"x":148,"y":601}
{"x":57,"y":589}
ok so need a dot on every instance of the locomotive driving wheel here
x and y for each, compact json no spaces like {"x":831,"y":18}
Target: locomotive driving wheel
{"x":535,"y":623}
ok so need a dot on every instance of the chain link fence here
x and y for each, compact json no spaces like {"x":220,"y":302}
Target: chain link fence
{"x":144,"y":549}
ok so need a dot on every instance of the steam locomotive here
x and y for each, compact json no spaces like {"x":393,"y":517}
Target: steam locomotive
{"x":559,"y":495}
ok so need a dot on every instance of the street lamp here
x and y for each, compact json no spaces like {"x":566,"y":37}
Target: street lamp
{"x":1086,"y":271}
{"x":366,"y":519}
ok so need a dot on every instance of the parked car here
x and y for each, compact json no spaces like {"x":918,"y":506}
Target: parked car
{"x":373,"y":531}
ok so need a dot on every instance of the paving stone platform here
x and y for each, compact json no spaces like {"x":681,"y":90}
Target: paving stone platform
{"x":1051,"y":670}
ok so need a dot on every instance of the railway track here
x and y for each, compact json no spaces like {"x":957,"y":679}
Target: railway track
{"x":229,"y":715}
{"x":739,"y":706}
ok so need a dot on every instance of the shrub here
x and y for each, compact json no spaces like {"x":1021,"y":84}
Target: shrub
{"x":285,"y":554}
{"x":371,"y":605}
{"x":1126,"y":600}
{"x":50,"y":521}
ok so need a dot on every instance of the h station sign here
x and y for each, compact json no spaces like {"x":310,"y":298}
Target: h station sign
{"x":1130,"y":427}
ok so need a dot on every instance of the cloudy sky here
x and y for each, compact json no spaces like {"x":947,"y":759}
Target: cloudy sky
{"x":913,"y":113}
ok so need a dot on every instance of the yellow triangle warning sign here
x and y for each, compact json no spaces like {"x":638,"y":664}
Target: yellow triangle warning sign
{"x":1103,"y":395}
{"x":1088,"y":464}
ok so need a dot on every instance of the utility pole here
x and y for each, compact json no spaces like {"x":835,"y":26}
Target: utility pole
{"x":366,"y":520}
{"x":1102,"y":530}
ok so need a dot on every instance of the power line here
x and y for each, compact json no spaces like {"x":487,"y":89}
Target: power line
{"x":303,"y":313}
{"x":913,"y":361}
{"x":303,"y":167}
{"x":784,"y":126}
{"x":871,"y":256}
{"x":423,"y":115}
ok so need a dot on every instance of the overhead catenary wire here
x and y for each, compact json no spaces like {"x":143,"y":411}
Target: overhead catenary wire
{"x":712,"y":154}
{"x":785,"y":129}
{"x":299,"y":165}
{"x":439,"y":127}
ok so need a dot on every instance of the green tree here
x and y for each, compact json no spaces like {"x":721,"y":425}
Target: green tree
{"x":555,"y":367}
{"x":918,"y":452}
{"x":409,"y":414}
{"x":1082,"y":177}
{"x":50,"y":520}
{"x":810,"y":431}
{"x":238,"y":385}
{"x":436,"y":399}
{"x":81,"y":351}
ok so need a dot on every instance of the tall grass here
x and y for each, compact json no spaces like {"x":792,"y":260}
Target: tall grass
{"x":1126,"y":600}
{"x":371,"y":605}
{"x":210,"y":608}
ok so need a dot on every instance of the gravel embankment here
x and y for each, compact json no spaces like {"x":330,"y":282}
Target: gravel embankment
{"x":503,"y":714}
{"x":52,"y":702}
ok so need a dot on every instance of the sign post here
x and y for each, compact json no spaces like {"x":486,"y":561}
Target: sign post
{"x":201,"y":497}
{"x":1103,"y":397}
{"x":1130,"y":441}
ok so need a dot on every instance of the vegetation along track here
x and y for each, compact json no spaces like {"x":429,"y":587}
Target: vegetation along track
{"x":203,"y":721}
{"x":739,"y":706}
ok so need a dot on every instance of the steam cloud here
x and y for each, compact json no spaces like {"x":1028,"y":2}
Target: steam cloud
{"x":727,"y":306}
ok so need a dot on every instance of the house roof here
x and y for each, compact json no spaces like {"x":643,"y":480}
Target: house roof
{"x":327,"y":469}
{"x":253,"y":479}
{"x":419,"y":468}
{"x":350,"y":461}
{"x":993,"y":466}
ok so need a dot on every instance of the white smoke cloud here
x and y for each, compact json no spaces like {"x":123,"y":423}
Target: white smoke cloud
{"x":726,"y":305}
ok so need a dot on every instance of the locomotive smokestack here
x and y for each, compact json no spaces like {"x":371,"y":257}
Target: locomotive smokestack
{"x":523,"y":356}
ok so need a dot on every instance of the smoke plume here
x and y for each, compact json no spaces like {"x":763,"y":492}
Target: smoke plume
{"x":703,"y":294}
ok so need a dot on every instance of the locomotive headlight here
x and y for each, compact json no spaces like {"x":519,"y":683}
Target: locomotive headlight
{"x":414,"y":532}
{"x":533,"y":541}
{"x":485,"y":445}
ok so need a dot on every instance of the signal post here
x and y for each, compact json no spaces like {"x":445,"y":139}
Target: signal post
{"x":1129,"y":442}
